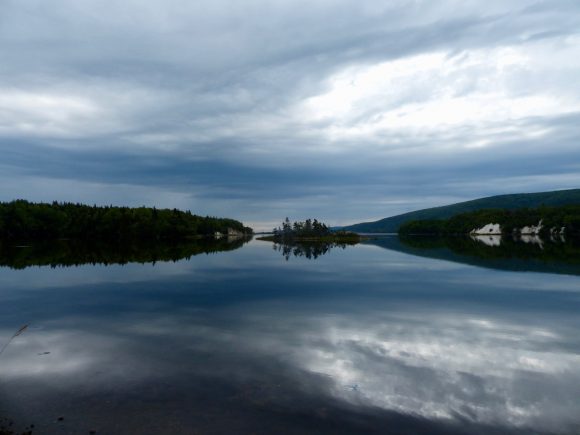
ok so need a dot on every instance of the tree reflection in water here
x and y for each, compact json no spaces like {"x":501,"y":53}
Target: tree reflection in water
{"x":309,"y":250}
{"x":65,"y":253}
{"x":554,"y":255}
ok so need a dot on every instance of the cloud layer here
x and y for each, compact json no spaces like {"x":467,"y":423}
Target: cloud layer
{"x":345,"y":110}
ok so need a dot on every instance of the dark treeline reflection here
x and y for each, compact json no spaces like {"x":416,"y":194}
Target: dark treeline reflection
{"x":532,"y":253}
{"x":309,"y":250}
{"x":65,"y":253}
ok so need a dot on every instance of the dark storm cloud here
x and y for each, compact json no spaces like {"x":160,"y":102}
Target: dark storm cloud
{"x":347,"y":110}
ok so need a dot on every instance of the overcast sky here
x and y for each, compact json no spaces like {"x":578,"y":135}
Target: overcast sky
{"x":344,"y":110}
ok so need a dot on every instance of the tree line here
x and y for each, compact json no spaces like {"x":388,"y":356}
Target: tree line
{"x":23,"y":220}
{"x":307,"y":228}
{"x":511,"y":221}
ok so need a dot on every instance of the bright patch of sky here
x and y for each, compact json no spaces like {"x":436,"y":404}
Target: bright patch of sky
{"x":345,"y":111}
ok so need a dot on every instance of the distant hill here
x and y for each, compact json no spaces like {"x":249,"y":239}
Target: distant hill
{"x":513,"y":201}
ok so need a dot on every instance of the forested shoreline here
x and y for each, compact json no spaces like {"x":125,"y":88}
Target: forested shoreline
{"x":514,"y":201}
{"x":26,"y":221}
{"x":564,"y":219}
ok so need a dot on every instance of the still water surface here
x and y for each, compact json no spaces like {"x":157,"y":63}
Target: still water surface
{"x":366,"y":339}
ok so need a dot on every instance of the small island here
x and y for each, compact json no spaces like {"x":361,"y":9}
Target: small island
{"x":310,"y":230}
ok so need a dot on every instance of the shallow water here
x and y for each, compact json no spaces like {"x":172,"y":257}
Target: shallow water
{"x":366,"y":339}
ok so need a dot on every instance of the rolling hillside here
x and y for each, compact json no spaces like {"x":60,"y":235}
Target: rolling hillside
{"x":513,"y":201}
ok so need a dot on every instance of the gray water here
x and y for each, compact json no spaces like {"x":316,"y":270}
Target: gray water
{"x":360,"y":340}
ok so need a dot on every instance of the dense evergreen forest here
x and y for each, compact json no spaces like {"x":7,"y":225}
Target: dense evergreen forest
{"x":511,"y":221}
{"x":308,"y":228}
{"x":23,"y":220}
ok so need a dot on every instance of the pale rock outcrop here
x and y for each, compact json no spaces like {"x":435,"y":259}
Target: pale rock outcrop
{"x":532,"y":229}
{"x":234,"y":233}
{"x":489,"y":229}
{"x":231,"y":233}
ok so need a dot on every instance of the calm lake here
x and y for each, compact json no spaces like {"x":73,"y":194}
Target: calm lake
{"x":382,"y":337}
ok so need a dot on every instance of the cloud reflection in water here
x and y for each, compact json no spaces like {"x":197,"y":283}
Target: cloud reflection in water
{"x":461,"y":360}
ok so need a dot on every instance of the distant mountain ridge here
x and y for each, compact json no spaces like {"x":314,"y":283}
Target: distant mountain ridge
{"x":510,"y":201}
